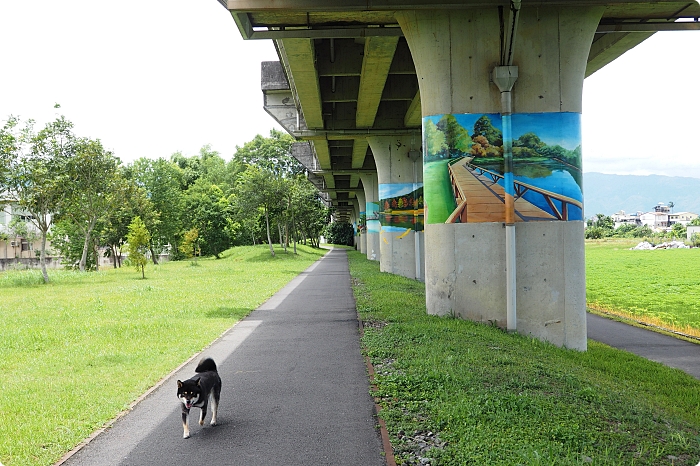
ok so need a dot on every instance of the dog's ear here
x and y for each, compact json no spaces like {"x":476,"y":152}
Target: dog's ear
{"x":198,"y":379}
{"x":179,"y":384}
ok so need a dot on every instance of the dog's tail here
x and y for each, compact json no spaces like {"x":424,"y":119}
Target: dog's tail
{"x":206,"y":365}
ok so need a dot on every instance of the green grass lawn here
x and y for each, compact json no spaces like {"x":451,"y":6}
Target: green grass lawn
{"x":464,"y":393}
{"x":438,"y":195}
{"x":76,"y":352}
{"x":661,"y":287}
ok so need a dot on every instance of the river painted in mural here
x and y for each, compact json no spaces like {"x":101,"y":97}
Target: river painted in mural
{"x":546,"y":167}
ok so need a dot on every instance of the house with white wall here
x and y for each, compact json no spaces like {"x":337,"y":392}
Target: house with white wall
{"x":622,"y":218}
{"x":20,"y":239}
{"x":684,"y":218}
{"x":655,"y":220}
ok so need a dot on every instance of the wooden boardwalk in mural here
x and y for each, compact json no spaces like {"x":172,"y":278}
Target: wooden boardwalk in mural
{"x":480,"y":198}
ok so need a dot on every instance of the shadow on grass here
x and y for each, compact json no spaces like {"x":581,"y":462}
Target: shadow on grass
{"x":228,"y":313}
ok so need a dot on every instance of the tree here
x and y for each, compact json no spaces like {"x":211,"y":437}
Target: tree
{"x":258,"y":189}
{"x":190,"y":243}
{"x":272,"y":154}
{"x":484,"y":127}
{"x":208,"y":212}
{"x":435,"y":142}
{"x":678,"y":230}
{"x":671,"y":205}
{"x":456,"y":137}
{"x":138,"y":240}
{"x":129,"y":201}
{"x":162,"y":182}
{"x":340,"y":233}
{"x":92,"y":176}
{"x":34,"y":171}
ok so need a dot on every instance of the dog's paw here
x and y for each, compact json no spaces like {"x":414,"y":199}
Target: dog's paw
{"x":201,"y":422}
{"x":213,"y":422}
{"x":186,"y":435}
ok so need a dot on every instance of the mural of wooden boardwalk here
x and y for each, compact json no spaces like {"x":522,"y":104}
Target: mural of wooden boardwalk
{"x":480,"y":198}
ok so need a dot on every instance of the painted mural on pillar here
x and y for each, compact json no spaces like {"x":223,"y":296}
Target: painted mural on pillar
{"x":362,"y":223}
{"x":372,"y":217}
{"x":401,"y":207}
{"x":463,"y":167}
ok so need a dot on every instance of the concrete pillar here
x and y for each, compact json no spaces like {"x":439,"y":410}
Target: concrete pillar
{"x":400,"y":177}
{"x":362,"y":220}
{"x":455,"y":53}
{"x":372,"y":225}
{"x":354,"y":220}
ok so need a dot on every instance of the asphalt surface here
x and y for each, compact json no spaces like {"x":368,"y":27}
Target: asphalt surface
{"x":295,"y":390}
{"x":658,"y":347}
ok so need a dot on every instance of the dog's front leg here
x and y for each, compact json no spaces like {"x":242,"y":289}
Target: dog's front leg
{"x":185,"y":426}
{"x":203,"y":414}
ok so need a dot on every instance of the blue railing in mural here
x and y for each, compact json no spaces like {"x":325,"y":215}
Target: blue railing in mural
{"x":560,"y":212}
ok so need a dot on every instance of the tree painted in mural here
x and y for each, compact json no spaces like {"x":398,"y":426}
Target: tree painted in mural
{"x":448,"y":139}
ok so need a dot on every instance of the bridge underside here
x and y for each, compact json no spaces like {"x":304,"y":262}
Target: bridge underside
{"x":352,"y":73}
{"x":370,"y":86}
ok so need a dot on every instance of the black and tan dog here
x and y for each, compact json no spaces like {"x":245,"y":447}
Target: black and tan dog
{"x":197,"y":391}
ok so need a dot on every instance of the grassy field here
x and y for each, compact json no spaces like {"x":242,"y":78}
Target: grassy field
{"x":438,"y":191}
{"x":76,"y":352}
{"x":659,"y":287}
{"x":463,"y":393}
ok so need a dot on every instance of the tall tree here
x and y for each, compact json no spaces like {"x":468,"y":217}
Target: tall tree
{"x":93,"y":174}
{"x":456,"y":137}
{"x":258,"y":189}
{"x":435,"y":142}
{"x":272,"y":154}
{"x":34,"y":166}
{"x":208,"y":212}
{"x":162,"y":182}
{"x":484,"y":127}
{"x":129,"y":201}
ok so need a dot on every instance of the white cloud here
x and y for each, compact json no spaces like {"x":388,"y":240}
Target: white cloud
{"x":640,"y":112}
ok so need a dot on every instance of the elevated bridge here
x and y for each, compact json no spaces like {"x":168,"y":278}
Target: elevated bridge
{"x":383,"y":94}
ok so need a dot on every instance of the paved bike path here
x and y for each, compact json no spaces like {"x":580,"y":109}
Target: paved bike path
{"x":655,"y":346}
{"x":295,"y":390}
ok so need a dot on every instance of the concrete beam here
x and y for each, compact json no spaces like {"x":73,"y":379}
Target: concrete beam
{"x":359,"y":151}
{"x":413,"y":118}
{"x":323,"y":154}
{"x":608,"y":47}
{"x":364,"y":5}
{"x":378,"y":54}
{"x":300,"y":58}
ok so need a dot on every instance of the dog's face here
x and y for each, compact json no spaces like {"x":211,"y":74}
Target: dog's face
{"x":189,"y":392}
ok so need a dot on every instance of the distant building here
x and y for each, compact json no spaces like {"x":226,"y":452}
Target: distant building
{"x":684,"y":218}
{"x":655,"y":220}
{"x":621,"y":218}
{"x":22,"y":242}
{"x":662,"y":208}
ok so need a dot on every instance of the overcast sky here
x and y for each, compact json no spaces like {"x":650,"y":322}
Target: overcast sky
{"x":150,"y":78}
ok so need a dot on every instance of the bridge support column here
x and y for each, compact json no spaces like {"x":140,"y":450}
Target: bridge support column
{"x":354,"y":221}
{"x":455,"y":53}
{"x":372,"y":225}
{"x":400,"y":177}
{"x":362,"y":222}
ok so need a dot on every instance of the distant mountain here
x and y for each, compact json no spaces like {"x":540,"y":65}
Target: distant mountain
{"x":607,"y":194}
